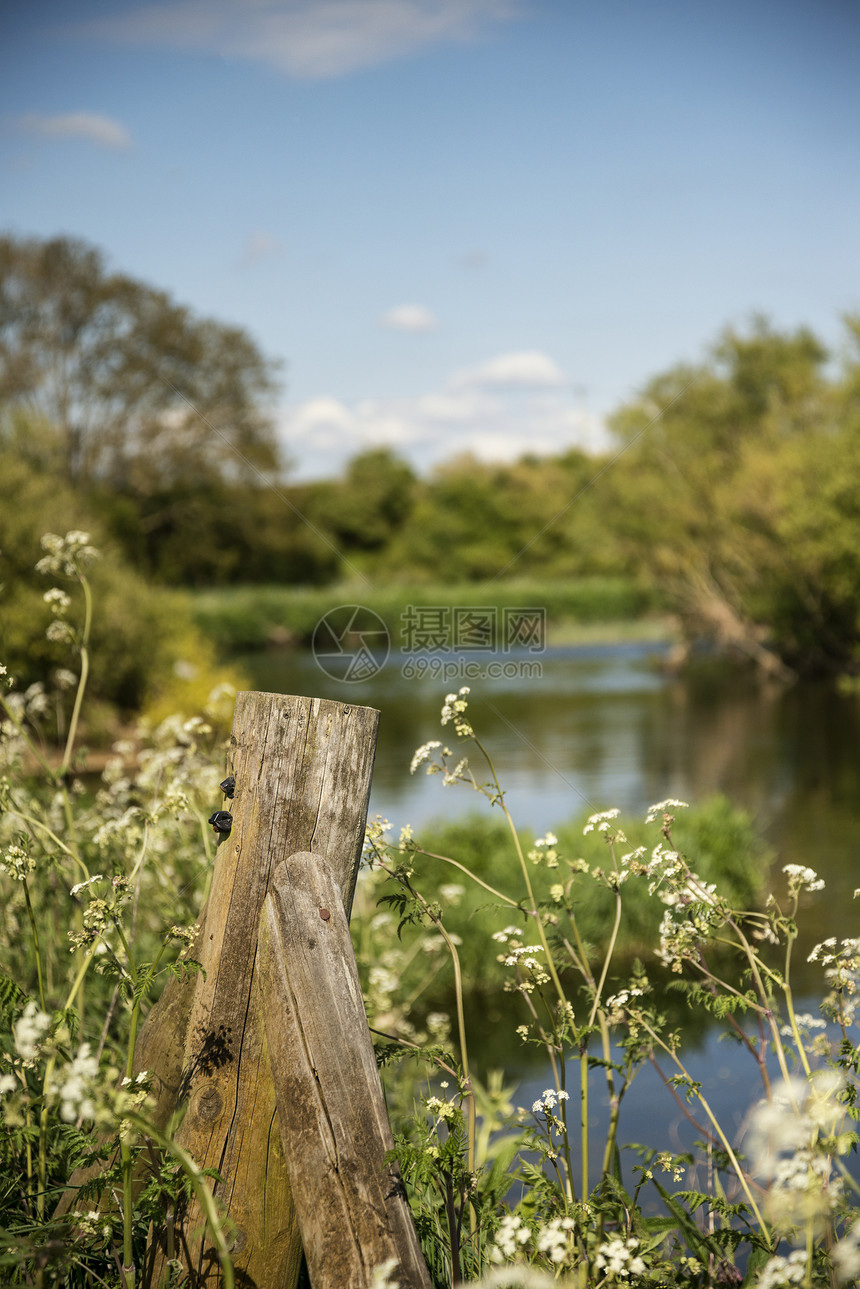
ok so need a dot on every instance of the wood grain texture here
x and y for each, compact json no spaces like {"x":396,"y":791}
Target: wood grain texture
{"x":303,"y":770}
{"x":351,"y":1204}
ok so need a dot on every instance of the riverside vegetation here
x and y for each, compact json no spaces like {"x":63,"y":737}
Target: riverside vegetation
{"x":726,"y":495}
{"x":99,"y":894}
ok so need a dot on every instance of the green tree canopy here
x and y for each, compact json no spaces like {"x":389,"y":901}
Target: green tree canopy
{"x":142,"y":393}
{"x":738,"y":495}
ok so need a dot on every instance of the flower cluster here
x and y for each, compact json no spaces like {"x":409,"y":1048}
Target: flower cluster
{"x":531,"y":972}
{"x":557,"y":1240}
{"x":801,"y":878}
{"x":30,"y":1030}
{"x":17,"y":862}
{"x":602,"y":821}
{"x":618,"y":1257}
{"x":70,"y":555}
{"x":544,"y":851}
{"x":512,"y":1235}
{"x":422,"y":754}
{"x":617,"y":1006}
{"x":792,"y":1139}
{"x":779,"y":1271}
{"x":842,"y":972}
{"x":76,"y":1087}
{"x":442,"y":1111}
{"x":454,"y":707}
{"x":547,"y":1102}
{"x":665,"y":808}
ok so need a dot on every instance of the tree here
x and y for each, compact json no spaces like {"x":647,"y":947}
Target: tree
{"x":739,"y":490}
{"x":142,"y":393}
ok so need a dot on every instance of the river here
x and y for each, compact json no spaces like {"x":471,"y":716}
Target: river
{"x":603,"y":726}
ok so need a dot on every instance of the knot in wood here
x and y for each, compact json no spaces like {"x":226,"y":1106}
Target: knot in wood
{"x":209,"y":1103}
{"x":325,"y":914}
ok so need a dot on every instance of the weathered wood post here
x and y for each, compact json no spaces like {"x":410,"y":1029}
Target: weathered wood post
{"x":351,"y":1205}
{"x":303,"y":771}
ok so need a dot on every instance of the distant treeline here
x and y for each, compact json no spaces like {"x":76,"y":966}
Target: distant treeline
{"x":732,"y":494}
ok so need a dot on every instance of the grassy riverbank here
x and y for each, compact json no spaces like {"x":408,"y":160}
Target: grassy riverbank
{"x":241,"y":619}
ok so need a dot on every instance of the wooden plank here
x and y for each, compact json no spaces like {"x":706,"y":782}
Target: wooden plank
{"x":303,"y":770}
{"x":334,"y":1127}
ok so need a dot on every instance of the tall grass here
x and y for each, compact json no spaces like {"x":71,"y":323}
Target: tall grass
{"x":240,"y":619}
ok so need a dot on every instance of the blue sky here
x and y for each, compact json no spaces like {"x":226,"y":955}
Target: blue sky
{"x":463,"y":225}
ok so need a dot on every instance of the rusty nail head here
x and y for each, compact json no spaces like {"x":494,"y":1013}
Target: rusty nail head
{"x":325,"y":915}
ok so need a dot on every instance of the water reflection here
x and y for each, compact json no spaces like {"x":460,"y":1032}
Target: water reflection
{"x":604,"y":725}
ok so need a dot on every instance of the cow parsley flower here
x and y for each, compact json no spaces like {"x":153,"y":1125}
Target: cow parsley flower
{"x":779,"y":1272}
{"x":801,"y":878}
{"x":665,"y":808}
{"x":423,"y":754}
{"x":29,"y":1030}
{"x":619,"y":1257}
{"x":454,"y":707}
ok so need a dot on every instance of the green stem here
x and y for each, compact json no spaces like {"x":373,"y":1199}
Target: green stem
{"x":583,"y":1112}
{"x":43,"y":827}
{"x":607,"y":959}
{"x":614,"y":1099}
{"x":35,"y":931}
{"x":128,"y":1271}
{"x":526,"y":878}
{"x":715,"y":1123}
{"x":85,"y":671}
{"x":205,"y":1198}
{"x":789,"y":1002}
{"x":755,"y":963}
{"x":463,"y":869}
{"x":49,"y":1070}
{"x":22,"y":730}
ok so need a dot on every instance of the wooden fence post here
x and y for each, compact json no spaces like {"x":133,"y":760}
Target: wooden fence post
{"x":351,"y":1204}
{"x":303,"y":770}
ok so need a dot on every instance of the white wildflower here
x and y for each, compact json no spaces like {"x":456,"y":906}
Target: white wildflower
{"x":422,"y":754}
{"x":665,"y":808}
{"x":618,"y":1256}
{"x":801,"y":878}
{"x":453,"y":709}
{"x":846,"y":1254}
{"x":17,"y":862}
{"x":510,"y":1237}
{"x":778,"y":1271}
{"x":74,"y":1088}
{"x":383,"y":1275}
{"x":29,"y":1030}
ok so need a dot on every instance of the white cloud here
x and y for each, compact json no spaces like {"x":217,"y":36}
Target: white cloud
{"x":306,"y":39}
{"x":257,"y":247}
{"x":102,"y":130}
{"x":409,"y":317}
{"x":527,"y":368}
{"x":494,"y":423}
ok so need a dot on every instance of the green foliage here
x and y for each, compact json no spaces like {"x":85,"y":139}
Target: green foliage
{"x":730,"y":500}
{"x":242,"y":619}
{"x":145,"y":649}
{"x":117,"y":876}
{"x":566,"y":1213}
{"x":99,"y":888}
{"x":138,"y":390}
{"x":740,"y":500}
{"x":728,"y":851}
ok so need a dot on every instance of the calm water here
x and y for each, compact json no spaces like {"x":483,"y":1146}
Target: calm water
{"x":605,"y":726}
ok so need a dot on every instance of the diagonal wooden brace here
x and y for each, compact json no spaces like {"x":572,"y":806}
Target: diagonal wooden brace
{"x":350,"y":1203}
